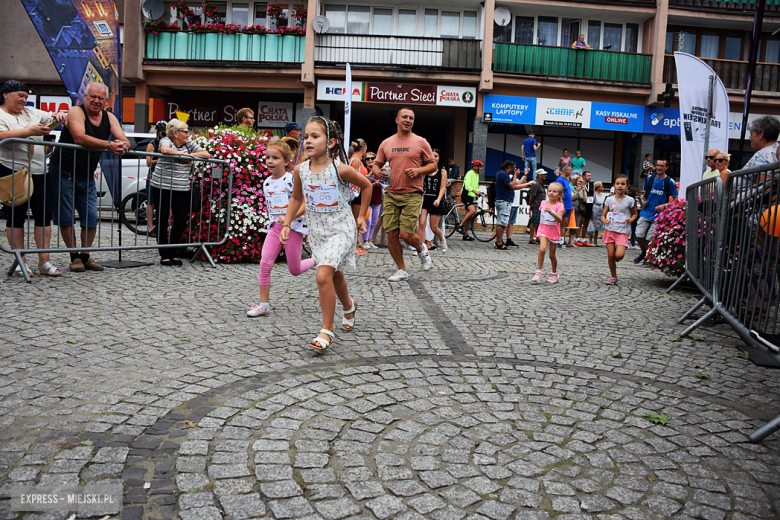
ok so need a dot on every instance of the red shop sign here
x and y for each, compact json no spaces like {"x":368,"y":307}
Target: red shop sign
{"x":399,"y":93}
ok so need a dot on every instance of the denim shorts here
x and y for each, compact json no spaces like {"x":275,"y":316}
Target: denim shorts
{"x":62,"y":185}
{"x":513,"y":214}
{"x":503,"y":209}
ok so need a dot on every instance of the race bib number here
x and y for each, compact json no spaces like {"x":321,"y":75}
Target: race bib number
{"x":322,"y":198}
{"x":589,"y":200}
{"x":616,"y":218}
{"x":548,"y":219}
{"x":278,"y":203}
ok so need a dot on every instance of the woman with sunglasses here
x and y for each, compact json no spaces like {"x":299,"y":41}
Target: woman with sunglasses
{"x":722,"y":165}
{"x":375,"y":205}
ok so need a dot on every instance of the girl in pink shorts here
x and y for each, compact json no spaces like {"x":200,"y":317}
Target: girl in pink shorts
{"x":549,"y":231}
{"x":619,"y":213}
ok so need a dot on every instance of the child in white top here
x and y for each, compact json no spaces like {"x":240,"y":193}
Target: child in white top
{"x":549,"y":231}
{"x":619,"y":212}
{"x":332,"y":228}
{"x":277,"y":190}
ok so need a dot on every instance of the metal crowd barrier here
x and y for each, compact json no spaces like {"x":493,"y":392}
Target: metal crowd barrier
{"x":120,"y":198}
{"x":702,"y":254}
{"x":738,"y":270}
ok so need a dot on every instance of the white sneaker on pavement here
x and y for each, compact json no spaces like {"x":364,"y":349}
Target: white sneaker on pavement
{"x":444,"y":246}
{"x":399,"y":275}
{"x":425,"y":258}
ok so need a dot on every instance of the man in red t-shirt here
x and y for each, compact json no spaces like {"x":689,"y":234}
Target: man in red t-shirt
{"x":410,"y":158}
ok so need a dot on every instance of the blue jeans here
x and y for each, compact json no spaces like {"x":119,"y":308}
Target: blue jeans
{"x":70,"y":194}
{"x":530,"y":162}
{"x":513,"y":214}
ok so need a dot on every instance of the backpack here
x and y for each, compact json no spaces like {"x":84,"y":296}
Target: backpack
{"x":667,"y":182}
{"x":491,"y":194}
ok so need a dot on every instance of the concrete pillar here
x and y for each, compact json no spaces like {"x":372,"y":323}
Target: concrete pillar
{"x":658,"y":47}
{"x":486,"y":76}
{"x":141,"y":109}
{"x":307,"y":68}
{"x":478,"y":145}
{"x":645,"y":143}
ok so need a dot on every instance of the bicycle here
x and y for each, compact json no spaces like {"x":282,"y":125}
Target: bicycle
{"x":452,"y":220}
{"x":483,"y":225}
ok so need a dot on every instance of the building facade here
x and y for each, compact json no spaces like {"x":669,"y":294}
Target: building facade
{"x":480,"y":75}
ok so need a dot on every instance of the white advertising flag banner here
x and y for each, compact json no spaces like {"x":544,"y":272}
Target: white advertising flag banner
{"x":348,"y":107}
{"x":693,"y":83}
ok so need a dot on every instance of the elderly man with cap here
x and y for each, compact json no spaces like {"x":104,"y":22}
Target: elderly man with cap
{"x":293,"y":129}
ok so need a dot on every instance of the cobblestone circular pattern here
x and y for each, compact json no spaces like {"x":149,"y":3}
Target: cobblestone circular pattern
{"x":450,"y":440}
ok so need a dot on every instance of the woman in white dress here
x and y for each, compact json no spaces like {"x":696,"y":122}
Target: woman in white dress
{"x":323,"y":186}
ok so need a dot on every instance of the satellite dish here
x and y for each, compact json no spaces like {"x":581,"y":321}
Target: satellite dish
{"x":153,"y":9}
{"x":320,"y":24}
{"x":502,"y":16}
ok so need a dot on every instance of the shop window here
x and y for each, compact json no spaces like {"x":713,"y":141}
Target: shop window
{"x":450,"y":24}
{"x":524,"y":29}
{"x":383,"y":21}
{"x":594,"y":34}
{"x":239,"y":14}
{"x":337,"y":16}
{"x":733,"y":47}
{"x":613,"y":36}
{"x":710,"y":45}
{"x":632,"y":37}
{"x":260,"y":15}
{"x":431,"y":29}
{"x":469,"y":25}
{"x":358,"y":20}
{"x":547,"y":30}
{"x":407,"y":22}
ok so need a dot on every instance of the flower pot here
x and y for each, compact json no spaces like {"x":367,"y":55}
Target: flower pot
{"x":152,"y":44}
{"x":228,"y":47}
{"x":181,"y":48}
{"x":164,"y":47}
{"x":271,"y":47}
{"x":257,"y":47}
{"x":242,"y":41}
{"x":211,"y":46}
{"x":288,"y":48}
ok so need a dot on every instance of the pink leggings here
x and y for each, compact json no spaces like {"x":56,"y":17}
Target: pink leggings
{"x":271,"y":249}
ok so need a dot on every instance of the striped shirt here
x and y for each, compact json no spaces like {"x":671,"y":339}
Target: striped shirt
{"x":174,"y":173}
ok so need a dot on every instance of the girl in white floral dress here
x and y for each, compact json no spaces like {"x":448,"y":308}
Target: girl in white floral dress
{"x":323,"y":186}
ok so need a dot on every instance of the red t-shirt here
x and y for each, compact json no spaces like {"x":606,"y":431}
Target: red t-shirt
{"x":411,"y":152}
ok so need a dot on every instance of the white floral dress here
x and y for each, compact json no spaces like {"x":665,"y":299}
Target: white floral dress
{"x":332,"y":232}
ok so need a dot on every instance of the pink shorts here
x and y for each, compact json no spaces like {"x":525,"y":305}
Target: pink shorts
{"x":552,"y":233}
{"x":619,"y":239}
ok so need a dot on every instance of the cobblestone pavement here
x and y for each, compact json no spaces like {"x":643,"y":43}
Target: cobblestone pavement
{"x":465,"y":392}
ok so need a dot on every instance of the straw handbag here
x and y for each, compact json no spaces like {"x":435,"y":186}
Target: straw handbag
{"x":16,"y":189}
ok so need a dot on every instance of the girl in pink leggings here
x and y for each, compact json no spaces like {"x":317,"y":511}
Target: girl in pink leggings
{"x":277,"y":190}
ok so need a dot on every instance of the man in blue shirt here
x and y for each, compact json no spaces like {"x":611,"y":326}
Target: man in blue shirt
{"x":563,"y":180}
{"x":529,"y":151}
{"x":505,"y":195}
{"x":658,"y":189}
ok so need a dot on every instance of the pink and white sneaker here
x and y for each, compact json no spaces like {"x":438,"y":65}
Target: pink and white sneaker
{"x":611,"y":281}
{"x":258,"y":310}
{"x":553,"y":278}
{"x":537,"y":277}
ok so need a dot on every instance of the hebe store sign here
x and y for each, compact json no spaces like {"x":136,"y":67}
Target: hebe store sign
{"x":399,"y":93}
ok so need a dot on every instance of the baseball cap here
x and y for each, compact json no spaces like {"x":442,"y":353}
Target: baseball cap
{"x":289,"y":127}
{"x":540,"y":171}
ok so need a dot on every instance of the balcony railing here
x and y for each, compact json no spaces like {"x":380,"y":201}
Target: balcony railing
{"x":399,"y":51}
{"x":565,"y":62}
{"x":771,"y":6}
{"x":734,"y":74}
{"x":184,"y":46}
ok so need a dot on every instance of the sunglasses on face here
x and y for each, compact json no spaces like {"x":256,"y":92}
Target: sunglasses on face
{"x":720,"y":160}
{"x":709,"y":157}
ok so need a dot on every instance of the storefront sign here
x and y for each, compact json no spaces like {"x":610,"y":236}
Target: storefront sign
{"x":658,"y":120}
{"x":53,"y":104}
{"x":510,"y":109}
{"x":403,"y":93}
{"x":562,"y":113}
{"x":273,"y":115}
{"x":199,"y":116}
{"x":621,"y":118}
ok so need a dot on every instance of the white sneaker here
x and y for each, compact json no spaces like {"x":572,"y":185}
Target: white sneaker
{"x":444,"y":246}
{"x":425,"y":258}
{"x":258,"y":310}
{"x":411,"y":248}
{"x":399,"y":275}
